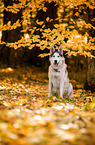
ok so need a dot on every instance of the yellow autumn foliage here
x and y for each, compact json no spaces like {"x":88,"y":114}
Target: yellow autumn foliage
{"x":65,"y":31}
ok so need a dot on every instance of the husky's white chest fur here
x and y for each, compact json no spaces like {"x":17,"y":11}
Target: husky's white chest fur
{"x":58,"y":75}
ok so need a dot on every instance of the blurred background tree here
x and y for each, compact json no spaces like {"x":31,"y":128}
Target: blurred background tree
{"x":29,"y":28}
{"x":11,"y":35}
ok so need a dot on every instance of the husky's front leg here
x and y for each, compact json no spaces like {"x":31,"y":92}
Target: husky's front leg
{"x":50,"y":88}
{"x":61,"y":88}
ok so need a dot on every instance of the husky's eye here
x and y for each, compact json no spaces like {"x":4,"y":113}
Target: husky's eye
{"x":53,"y":55}
{"x":58,"y":56}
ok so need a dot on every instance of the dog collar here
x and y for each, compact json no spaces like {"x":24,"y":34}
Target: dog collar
{"x":56,"y":70}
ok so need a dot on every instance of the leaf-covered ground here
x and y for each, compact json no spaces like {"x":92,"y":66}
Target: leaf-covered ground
{"x":29,"y":117}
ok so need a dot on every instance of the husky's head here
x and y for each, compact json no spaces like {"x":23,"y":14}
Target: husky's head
{"x":56,"y":57}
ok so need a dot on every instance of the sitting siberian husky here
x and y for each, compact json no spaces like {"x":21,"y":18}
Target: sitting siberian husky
{"x":58,"y":75}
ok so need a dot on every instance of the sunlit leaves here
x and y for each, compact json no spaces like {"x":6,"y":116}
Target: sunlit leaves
{"x":44,"y":54}
{"x":65,"y":31}
{"x":44,"y":9}
{"x":8,"y":26}
{"x":24,"y":42}
{"x":39,"y":23}
{"x":16,"y":7}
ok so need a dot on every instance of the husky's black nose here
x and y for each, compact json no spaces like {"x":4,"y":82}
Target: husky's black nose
{"x":55,"y":61}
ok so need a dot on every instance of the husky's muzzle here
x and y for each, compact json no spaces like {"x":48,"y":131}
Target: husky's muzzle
{"x":55,"y":63}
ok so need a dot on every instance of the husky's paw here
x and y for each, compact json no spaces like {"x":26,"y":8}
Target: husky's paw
{"x":49,"y":94}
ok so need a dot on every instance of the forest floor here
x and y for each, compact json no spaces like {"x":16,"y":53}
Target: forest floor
{"x":29,"y":117}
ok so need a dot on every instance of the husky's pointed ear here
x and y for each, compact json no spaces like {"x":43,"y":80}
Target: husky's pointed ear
{"x":60,"y":50}
{"x":52,"y":49}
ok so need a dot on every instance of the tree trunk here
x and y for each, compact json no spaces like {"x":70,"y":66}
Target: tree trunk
{"x":90,"y":81}
{"x":51,"y":12}
{"x":90,"y":76}
{"x":9,"y":55}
